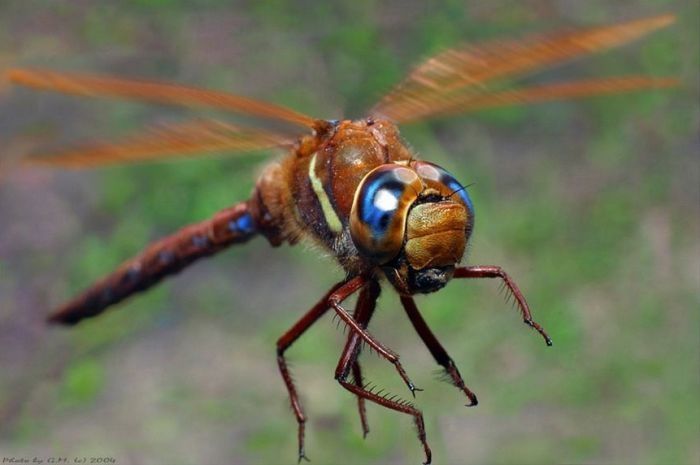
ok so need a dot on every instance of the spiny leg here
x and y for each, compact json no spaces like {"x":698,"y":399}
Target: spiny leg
{"x":397,"y":405}
{"x":364,"y":309}
{"x":357,"y":379}
{"x":348,"y":359}
{"x":439,"y":353}
{"x":342,"y":293}
{"x":489,"y":271}
{"x":284,"y":342}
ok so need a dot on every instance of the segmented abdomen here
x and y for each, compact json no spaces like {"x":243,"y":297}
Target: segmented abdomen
{"x":163,"y":258}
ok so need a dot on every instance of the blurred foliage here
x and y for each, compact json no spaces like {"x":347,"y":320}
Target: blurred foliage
{"x":82,"y":381}
{"x":592,"y":206}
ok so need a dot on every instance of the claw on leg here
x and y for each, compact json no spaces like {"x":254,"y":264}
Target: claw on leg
{"x":357,"y":378}
{"x":398,"y":406}
{"x":336,"y":298}
{"x":348,"y":360}
{"x":489,"y":271}
{"x":438,"y":352}
{"x":283,"y":344}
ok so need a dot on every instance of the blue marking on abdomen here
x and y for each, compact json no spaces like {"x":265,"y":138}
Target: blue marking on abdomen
{"x":243,"y":224}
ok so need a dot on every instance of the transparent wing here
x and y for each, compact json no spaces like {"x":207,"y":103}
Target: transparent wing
{"x":433,"y":85}
{"x":189,"y":139}
{"x":151,"y":91}
{"x":559,"y":91}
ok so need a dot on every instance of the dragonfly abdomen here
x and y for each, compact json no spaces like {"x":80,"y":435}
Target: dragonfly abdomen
{"x":162,"y":258}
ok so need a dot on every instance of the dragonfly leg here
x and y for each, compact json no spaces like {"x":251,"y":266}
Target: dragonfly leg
{"x":284,"y":343}
{"x":348,"y":359}
{"x":364,"y":309}
{"x":342,"y":293}
{"x":357,"y":379}
{"x":438,"y":352}
{"x":489,"y":271}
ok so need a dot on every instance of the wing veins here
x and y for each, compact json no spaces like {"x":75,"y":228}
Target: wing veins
{"x":472,"y":102}
{"x":187,"y":139}
{"x":470,"y":67}
{"x":153,"y":91}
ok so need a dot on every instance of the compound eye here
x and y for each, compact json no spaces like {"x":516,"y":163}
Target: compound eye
{"x":380,"y":208}
{"x":440,"y":179}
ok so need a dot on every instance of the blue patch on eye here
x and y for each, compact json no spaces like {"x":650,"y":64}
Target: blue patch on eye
{"x":460,"y":190}
{"x":377,"y":219}
{"x":455,"y":187}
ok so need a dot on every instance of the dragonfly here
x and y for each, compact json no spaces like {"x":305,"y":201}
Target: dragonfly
{"x":353,"y":188}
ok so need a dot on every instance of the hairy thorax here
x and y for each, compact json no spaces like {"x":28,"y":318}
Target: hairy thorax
{"x":308,"y":194}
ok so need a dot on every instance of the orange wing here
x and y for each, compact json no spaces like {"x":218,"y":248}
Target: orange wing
{"x":161,"y":92}
{"x":455,"y":80}
{"x":186,"y":139}
{"x":465,"y":103}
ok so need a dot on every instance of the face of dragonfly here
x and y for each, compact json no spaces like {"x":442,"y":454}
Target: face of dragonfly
{"x":412,"y":220}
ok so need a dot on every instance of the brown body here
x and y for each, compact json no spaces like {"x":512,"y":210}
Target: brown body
{"x":314,"y":204}
{"x":352,"y":187}
{"x":290,"y":202}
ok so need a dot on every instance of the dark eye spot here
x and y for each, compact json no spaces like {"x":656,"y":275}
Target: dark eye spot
{"x":384,"y":221}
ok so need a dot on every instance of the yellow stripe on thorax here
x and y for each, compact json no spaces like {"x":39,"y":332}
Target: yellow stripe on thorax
{"x":329,"y":213}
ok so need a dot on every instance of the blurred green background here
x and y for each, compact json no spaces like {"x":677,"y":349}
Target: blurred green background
{"x":592,"y":206}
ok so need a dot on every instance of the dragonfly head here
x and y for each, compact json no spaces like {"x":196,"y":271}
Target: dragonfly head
{"x":413,"y":220}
